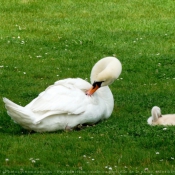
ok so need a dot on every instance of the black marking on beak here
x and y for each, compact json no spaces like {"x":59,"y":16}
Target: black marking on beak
{"x":97,"y":84}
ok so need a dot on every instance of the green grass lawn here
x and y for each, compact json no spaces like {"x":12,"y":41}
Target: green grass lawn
{"x":43,"y":41}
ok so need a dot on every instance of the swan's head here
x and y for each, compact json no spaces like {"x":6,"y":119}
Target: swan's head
{"x":104,"y":72}
{"x":156,"y":113}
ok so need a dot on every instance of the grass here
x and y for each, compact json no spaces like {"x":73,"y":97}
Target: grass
{"x":43,"y":41}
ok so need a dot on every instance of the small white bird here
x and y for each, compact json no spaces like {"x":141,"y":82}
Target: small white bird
{"x":158,"y":119}
{"x":70,"y":102}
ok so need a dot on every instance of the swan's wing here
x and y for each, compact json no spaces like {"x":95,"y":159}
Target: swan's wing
{"x":65,"y":96}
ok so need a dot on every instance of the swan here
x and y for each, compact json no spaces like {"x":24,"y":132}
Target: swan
{"x":70,"y":102}
{"x":158,"y":119}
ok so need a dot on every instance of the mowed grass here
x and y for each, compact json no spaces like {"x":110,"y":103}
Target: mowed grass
{"x":44,"y":41}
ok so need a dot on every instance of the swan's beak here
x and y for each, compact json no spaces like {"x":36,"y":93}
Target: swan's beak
{"x":95,"y":86}
{"x":91,"y":90}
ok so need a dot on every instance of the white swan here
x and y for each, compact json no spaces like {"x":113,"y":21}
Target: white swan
{"x":158,"y":119}
{"x":70,"y":102}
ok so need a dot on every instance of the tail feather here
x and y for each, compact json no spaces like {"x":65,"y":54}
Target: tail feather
{"x":19,"y":114}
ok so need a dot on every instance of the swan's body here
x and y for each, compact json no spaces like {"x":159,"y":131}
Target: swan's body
{"x":70,"y":102}
{"x":158,"y":119}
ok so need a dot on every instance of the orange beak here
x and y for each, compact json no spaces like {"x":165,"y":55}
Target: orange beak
{"x":92,"y":89}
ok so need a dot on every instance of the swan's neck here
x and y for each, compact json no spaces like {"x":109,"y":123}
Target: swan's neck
{"x":156,"y":115}
{"x":106,"y":95}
